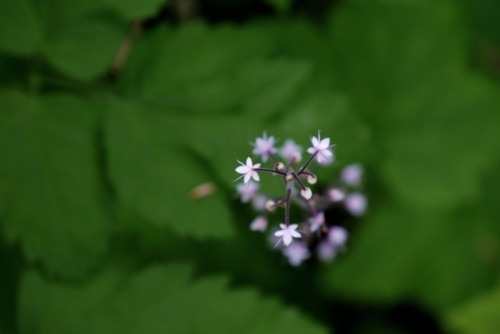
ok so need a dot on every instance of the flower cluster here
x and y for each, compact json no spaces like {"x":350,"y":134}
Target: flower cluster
{"x":313,"y":233}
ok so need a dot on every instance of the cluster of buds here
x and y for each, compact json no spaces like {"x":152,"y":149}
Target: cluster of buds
{"x":313,"y":233}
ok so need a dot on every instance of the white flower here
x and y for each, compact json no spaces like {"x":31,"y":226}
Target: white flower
{"x":356,"y":204}
{"x":322,"y":150}
{"x":287,"y":233}
{"x":291,"y":151}
{"x":335,"y":195}
{"x":317,"y":221}
{"x":259,"y":224}
{"x":264,"y":147}
{"x":247,"y":191}
{"x":337,"y":236}
{"x":248,"y":170}
{"x":296,"y":253}
{"x":352,"y":175}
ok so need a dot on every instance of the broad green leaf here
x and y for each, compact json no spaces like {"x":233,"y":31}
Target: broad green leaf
{"x":477,"y":316}
{"x":160,"y":299}
{"x":20,"y":31}
{"x":155,"y":174}
{"x":84,"y":47}
{"x":386,"y":49}
{"x":438,"y":157}
{"x":50,"y":197}
{"x":435,"y":124}
{"x":402,"y":254}
{"x":202,"y":69}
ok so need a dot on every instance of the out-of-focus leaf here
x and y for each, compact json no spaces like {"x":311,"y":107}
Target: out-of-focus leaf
{"x":402,"y":254}
{"x":50,"y":196}
{"x":387,"y":49}
{"x":154,"y":173}
{"x":155,"y":300}
{"x":82,"y":46}
{"x":20,"y":31}
{"x":438,"y":157}
{"x":477,"y":316}
{"x":203,"y":69}
{"x":435,"y":125}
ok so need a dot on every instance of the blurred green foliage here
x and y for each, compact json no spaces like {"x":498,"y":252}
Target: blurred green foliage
{"x":113,"y":112}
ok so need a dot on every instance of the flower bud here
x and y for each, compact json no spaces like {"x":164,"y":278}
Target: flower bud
{"x":306,"y":193}
{"x":270,"y":205}
{"x":279,"y":166}
{"x":312,"y":179}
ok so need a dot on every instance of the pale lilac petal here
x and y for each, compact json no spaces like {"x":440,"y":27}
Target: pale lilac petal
{"x":295,"y":234}
{"x":249,"y":162}
{"x":279,"y":233}
{"x":255,"y":176}
{"x":247,"y":177}
{"x":287,"y":239}
{"x":325,"y":143}
{"x":311,"y":150}
{"x":242,"y":169}
{"x":315,"y":142}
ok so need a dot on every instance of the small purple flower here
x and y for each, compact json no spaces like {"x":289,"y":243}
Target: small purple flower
{"x":326,"y":251}
{"x":352,"y":175}
{"x":259,"y":224}
{"x":317,"y":221}
{"x":248,"y":170}
{"x":264,"y":147}
{"x":296,"y":253}
{"x":321,"y":147}
{"x":247,"y":191}
{"x":291,"y":151}
{"x":287,"y":233}
{"x":337,"y":236}
{"x":335,"y":195}
{"x":356,"y":204}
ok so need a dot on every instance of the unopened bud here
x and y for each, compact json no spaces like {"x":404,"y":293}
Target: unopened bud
{"x":312,"y":179}
{"x":306,"y":193}
{"x":270,"y":205}
{"x":289,"y":177}
{"x":279,"y":166}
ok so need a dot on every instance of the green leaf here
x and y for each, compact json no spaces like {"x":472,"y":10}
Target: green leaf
{"x":402,"y":254}
{"x":50,"y":194}
{"x":386,"y":49}
{"x":478,"y":315}
{"x":160,"y":299}
{"x":436,"y":125}
{"x":201,"y":69}
{"x":82,"y":46}
{"x":437,"y":157}
{"x":154,"y":173}
{"x":20,"y":31}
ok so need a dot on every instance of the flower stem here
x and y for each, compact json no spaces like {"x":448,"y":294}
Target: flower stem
{"x":308,"y":162}
{"x":269,"y":170}
{"x":287,"y":207}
